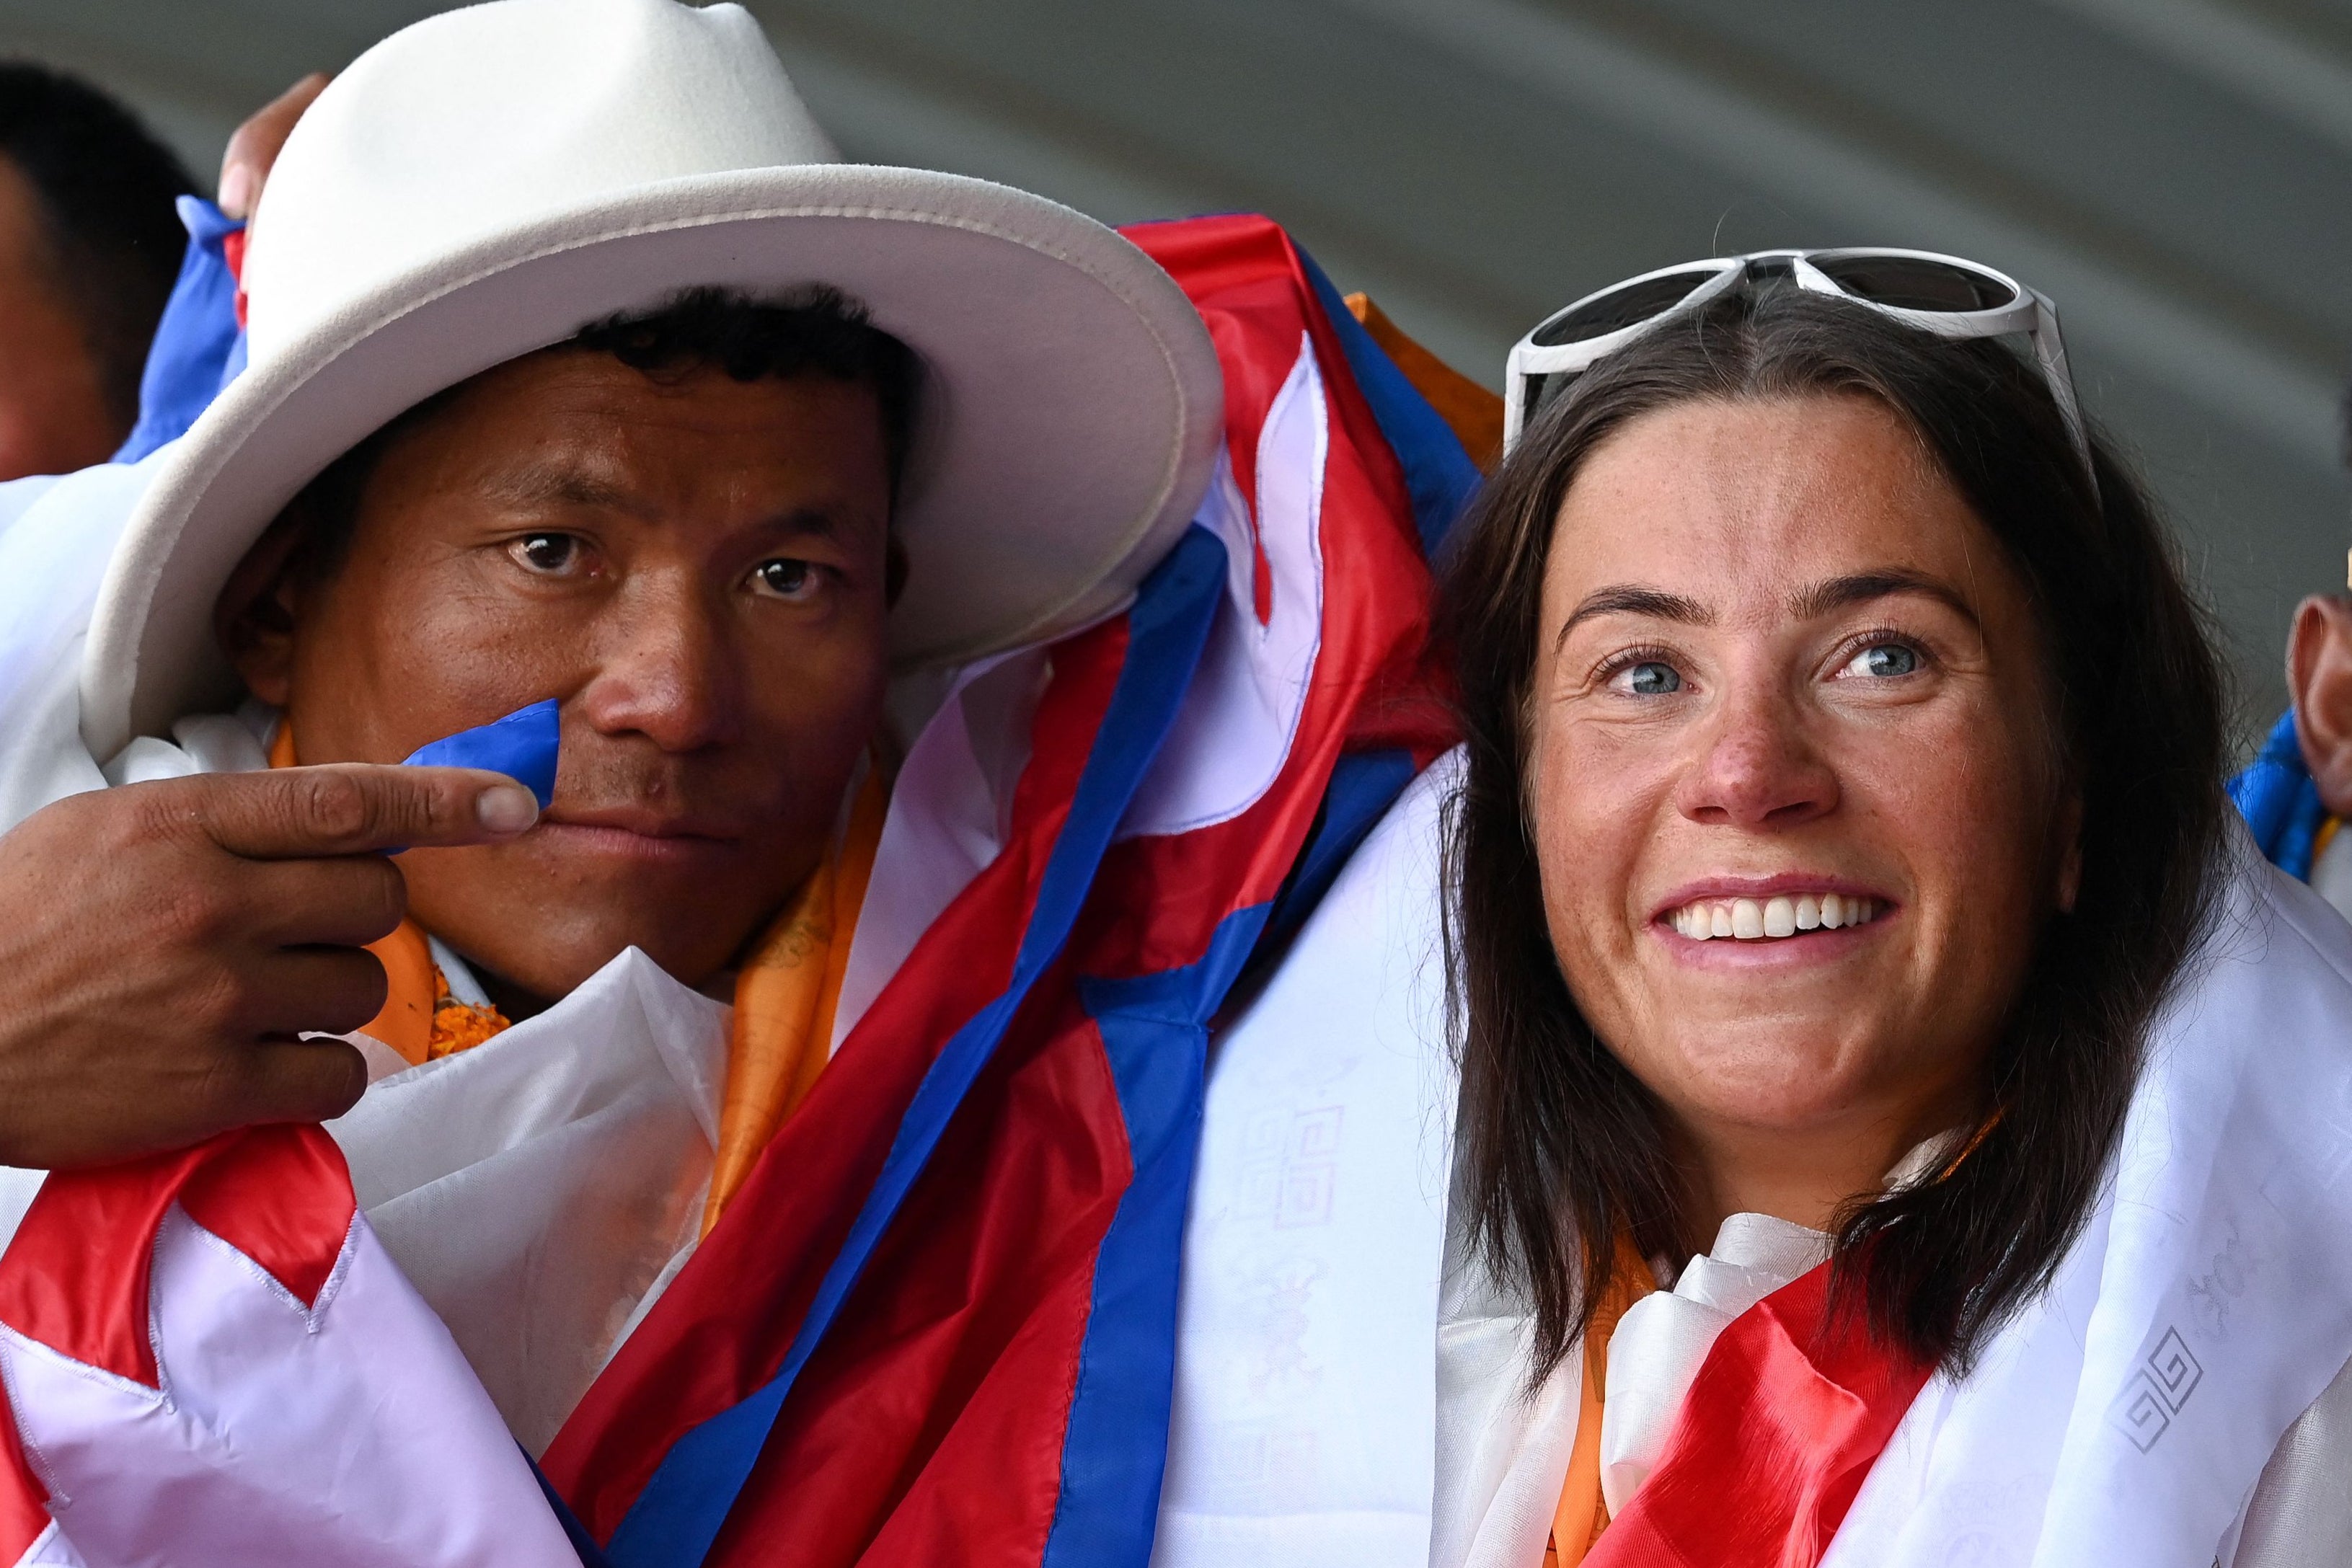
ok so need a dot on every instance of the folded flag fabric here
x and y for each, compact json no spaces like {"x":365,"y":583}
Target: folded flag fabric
{"x":937,"y":1322}
{"x":212,"y":1363}
{"x":199,"y":343}
{"x":2280,"y":802}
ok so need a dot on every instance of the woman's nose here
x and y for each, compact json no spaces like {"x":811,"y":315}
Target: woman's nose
{"x":667,"y":670}
{"x":1756,"y":766}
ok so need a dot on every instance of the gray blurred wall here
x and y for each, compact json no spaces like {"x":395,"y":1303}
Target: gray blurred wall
{"x":2178,"y":173}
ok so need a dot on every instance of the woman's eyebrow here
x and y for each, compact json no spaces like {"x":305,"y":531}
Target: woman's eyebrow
{"x":1860,"y":588}
{"x":1626,"y":599}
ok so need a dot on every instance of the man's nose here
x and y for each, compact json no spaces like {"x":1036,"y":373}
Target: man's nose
{"x":1756,"y":766}
{"x":666,"y":669}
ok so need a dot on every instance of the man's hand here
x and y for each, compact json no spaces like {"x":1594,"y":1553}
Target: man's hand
{"x":162,"y":947}
{"x":245,"y":166}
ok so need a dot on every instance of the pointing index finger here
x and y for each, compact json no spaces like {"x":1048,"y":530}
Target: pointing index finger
{"x":343,"y":808}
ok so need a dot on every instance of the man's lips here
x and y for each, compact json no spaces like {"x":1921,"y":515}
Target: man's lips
{"x":639,"y":820}
{"x":633,"y":833}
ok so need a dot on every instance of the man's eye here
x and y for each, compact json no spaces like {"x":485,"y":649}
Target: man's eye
{"x":1883,"y":661}
{"x":550,"y":553}
{"x":787,"y":579}
{"x":1649,"y":678}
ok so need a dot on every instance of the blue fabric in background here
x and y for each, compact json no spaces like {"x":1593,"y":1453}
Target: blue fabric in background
{"x":522,"y":745}
{"x":2280,"y":802}
{"x":199,"y":346}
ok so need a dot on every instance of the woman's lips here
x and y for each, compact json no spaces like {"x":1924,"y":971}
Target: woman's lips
{"x":1803,"y":908}
{"x":1770,"y":919}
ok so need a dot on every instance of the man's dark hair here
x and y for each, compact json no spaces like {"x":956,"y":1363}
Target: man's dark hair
{"x":106,"y":189}
{"x":1565,"y":1150}
{"x":814,"y":330}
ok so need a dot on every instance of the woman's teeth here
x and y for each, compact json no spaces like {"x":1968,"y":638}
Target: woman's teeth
{"x":1753,"y":920}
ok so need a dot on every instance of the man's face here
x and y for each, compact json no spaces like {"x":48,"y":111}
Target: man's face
{"x":53,"y":413}
{"x":694,"y":567}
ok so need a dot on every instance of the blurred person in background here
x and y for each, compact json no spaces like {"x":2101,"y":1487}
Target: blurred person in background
{"x":2298,"y":790}
{"x":89,"y":247}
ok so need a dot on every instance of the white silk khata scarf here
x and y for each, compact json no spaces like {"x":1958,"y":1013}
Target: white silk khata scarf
{"x":1347,"y":1394}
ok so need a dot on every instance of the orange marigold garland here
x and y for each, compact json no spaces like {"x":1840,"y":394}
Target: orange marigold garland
{"x":458,"y":1025}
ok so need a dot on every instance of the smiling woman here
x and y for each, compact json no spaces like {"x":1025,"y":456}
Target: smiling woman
{"x":1841,"y":805}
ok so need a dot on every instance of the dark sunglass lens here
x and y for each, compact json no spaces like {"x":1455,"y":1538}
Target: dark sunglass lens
{"x":1619,"y":308}
{"x":1912,"y":283}
{"x":1538,"y":393}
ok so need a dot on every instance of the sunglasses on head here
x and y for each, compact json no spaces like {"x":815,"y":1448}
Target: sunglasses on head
{"x":1939,"y":294}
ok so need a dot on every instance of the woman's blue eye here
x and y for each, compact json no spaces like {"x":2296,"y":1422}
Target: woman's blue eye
{"x":1883,"y":659}
{"x":1651,"y":679}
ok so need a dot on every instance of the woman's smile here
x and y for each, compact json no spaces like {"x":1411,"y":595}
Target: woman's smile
{"x":1770,"y":909}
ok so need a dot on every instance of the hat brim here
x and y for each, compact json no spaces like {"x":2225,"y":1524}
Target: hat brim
{"x":1071,"y":410}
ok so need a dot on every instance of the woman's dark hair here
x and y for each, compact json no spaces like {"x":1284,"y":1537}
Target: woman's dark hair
{"x":1565,"y":1150}
{"x":107,"y":190}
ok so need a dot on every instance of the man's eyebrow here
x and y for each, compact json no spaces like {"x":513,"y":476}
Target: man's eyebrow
{"x":1625,"y":598}
{"x":1862,"y":587}
{"x":556,"y":484}
{"x":802,"y":522}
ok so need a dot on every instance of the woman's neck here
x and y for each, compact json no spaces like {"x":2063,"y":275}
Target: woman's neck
{"x":1804,"y":1178}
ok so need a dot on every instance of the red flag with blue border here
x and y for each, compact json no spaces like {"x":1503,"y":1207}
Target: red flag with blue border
{"x":938,"y":1321}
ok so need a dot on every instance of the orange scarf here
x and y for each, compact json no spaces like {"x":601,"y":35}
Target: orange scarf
{"x":782,"y":1032}
{"x":1582,"y":1515}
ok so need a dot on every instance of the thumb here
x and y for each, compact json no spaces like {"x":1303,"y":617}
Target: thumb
{"x":343,"y":808}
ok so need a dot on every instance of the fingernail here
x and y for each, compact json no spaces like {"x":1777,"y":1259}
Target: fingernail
{"x":237,"y":191}
{"x":506,"y":808}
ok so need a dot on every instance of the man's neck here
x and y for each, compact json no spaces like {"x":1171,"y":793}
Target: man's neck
{"x":509,"y":998}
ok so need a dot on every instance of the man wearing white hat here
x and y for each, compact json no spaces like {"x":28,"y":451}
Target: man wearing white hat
{"x":601,"y":431}
{"x":595,"y":382}
{"x":709,"y":433}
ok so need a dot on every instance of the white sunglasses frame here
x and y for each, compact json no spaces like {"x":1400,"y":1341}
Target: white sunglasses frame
{"x":2028,"y":312}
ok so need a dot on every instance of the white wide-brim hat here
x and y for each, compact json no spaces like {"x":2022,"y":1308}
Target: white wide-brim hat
{"x":489,"y":181}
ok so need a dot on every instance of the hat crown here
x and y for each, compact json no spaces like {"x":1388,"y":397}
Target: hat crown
{"x":474,"y":119}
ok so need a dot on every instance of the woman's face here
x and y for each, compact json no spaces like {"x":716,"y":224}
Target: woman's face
{"x":1795,"y":802}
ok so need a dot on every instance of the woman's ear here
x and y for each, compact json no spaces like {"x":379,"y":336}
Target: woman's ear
{"x":2070,"y":855}
{"x":2319,"y":679}
{"x":253,"y":619}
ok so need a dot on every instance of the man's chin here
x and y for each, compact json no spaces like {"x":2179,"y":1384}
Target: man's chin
{"x":561,"y":959}
{"x":546,"y":922}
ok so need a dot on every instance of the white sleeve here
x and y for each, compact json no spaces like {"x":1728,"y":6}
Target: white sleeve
{"x":17,"y":495}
